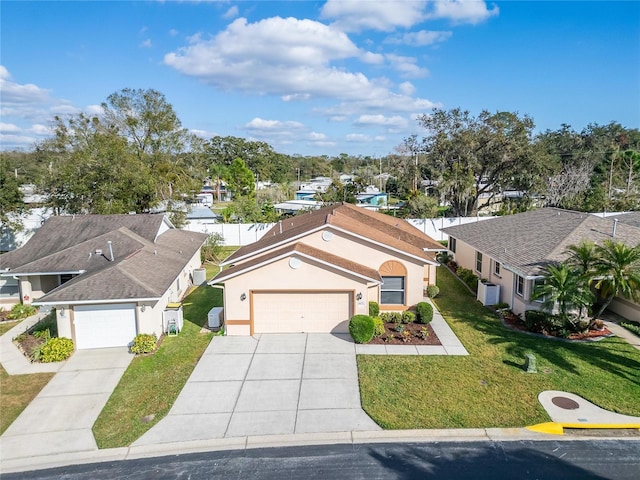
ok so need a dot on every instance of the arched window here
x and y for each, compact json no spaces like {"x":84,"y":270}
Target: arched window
{"x":394,"y":278}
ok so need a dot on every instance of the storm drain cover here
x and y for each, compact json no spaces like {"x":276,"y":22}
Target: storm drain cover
{"x":564,"y":402}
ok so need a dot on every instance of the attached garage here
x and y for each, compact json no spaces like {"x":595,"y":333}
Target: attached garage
{"x":301,"y":312}
{"x":102,"y":326}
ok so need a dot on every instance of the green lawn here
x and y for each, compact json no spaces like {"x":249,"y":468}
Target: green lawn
{"x":152,"y":383}
{"x":17,"y":391}
{"x":489,"y":388}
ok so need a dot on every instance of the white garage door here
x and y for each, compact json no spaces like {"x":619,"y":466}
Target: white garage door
{"x":296,"y":312}
{"x":100,"y":326}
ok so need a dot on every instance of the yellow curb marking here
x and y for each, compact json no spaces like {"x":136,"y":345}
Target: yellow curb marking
{"x":554,"y":428}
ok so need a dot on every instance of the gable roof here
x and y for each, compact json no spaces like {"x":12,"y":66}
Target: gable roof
{"x":145,"y":273}
{"x":528,"y":241}
{"x":375,"y":227}
{"x":62,"y":232}
{"x":631,"y":218}
{"x":302,"y":250}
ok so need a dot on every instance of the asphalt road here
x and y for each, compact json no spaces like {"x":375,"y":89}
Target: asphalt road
{"x":562,"y":460}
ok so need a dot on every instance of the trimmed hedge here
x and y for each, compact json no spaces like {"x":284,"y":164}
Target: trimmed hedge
{"x":433,"y":291}
{"x":408,"y":317}
{"x":374,"y":309}
{"x":425,"y":312}
{"x":361,"y":328}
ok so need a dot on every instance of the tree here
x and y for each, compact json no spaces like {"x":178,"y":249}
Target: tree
{"x":473,"y":156}
{"x":582,"y":258}
{"x":240,"y":179}
{"x":562,"y":287}
{"x":422,"y":206}
{"x":616,"y":272}
{"x":11,"y":201}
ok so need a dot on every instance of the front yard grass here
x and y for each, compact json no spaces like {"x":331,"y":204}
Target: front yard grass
{"x":152,"y":383}
{"x":16,"y":392}
{"x":489,"y":388}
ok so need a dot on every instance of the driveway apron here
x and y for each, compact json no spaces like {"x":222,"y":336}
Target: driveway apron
{"x":270,"y":384}
{"x":60,"y":418}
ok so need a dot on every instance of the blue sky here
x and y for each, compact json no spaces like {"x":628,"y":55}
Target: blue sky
{"x":321,"y":77}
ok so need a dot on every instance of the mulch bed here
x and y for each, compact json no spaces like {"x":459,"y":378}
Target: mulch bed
{"x":515,"y":323}
{"x":414,"y":337}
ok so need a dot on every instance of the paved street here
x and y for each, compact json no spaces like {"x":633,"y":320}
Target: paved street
{"x":522,"y":460}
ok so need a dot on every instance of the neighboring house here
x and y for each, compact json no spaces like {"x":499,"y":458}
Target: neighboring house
{"x":109,"y":277}
{"x":511,"y":251}
{"x":312,"y":272}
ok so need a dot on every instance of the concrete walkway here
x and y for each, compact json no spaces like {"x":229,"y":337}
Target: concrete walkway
{"x":60,"y":418}
{"x":13,"y":360}
{"x":267,"y":385}
{"x":622,"y":332}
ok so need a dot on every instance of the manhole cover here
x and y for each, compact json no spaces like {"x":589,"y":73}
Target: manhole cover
{"x":564,"y":402}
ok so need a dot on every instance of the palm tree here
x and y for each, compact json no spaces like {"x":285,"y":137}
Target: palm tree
{"x":564,"y":288}
{"x":617,"y":272}
{"x":582,"y":257}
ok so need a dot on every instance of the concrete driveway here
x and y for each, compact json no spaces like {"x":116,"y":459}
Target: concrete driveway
{"x":60,"y":418}
{"x":267,"y":385}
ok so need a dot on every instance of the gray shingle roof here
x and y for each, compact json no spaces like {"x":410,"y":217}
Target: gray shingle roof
{"x":631,"y":218}
{"x":527,"y":241}
{"x":61,"y":232}
{"x":144,"y":265}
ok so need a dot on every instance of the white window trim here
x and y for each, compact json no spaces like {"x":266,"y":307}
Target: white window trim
{"x":481,"y":259}
{"x":403,"y":290}
{"x":518,"y":278}
{"x":497,"y":268}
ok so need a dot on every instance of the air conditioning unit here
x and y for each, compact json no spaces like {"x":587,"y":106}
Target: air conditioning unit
{"x":215,"y":318}
{"x":488,"y":293}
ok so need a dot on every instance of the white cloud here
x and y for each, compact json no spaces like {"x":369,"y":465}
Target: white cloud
{"x":260,"y":124}
{"x":38,"y":129}
{"x":203,"y":133}
{"x":407,"y":66}
{"x":293,"y":59}
{"x":395,"y":122}
{"x":357,"y":137}
{"x":173,"y":32}
{"x":231,"y":13}
{"x":4,"y":73}
{"x":146,"y":43}
{"x":384,"y":15}
{"x":317,"y":136}
{"x":420,"y":38}
{"x":9,"y":128}
{"x":407,"y":88}
{"x":94,"y":110}
{"x":463,"y":11}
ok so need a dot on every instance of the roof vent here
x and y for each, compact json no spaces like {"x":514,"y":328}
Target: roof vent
{"x":98,"y":251}
{"x":615,"y":225}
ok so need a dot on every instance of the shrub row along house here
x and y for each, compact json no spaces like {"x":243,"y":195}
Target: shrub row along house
{"x":313,"y":272}
{"x":109,"y":277}
{"x":512,"y":251}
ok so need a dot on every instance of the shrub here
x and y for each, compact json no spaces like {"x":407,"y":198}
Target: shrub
{"x":378,"y":327}
{"x":444,"y":257}
{"x":385,"y":317}
{"x":632,"y":327}
{"x":212,"y":249}
{"x":361,"y":328}
{"x":395,"y":317}
{"x":144,"y":343}
{"x":46,"y":328}
{"x":501,"y":306}
{"x":56,"y":350}
{"x":19,"y":311}
{"x":468,"y":277}
{"x":433,"y":291}
{"x":374,"y":309}
{"x":425,"y":312}
{"x":408,"y":317}
{"x":535,"y":320}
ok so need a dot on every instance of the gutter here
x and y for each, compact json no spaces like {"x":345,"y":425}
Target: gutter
{"x":93,"y":302}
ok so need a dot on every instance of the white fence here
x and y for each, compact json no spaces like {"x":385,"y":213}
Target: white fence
{"x":246,"y":233}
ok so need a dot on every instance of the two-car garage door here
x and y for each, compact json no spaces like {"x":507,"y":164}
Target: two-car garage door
{"x":100,"y":326}
{"x":294,"y":312}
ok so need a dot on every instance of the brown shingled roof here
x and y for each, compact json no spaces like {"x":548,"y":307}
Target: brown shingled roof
{"x":304,"y":250}
{"x":377,"y":227}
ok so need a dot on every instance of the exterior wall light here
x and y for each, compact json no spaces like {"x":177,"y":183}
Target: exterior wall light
{"x":359,"y":296}
{"x":143,"y":307}
{"x":243,"y":297}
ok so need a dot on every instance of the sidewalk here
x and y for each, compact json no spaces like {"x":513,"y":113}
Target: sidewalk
{"x":622,"y":332}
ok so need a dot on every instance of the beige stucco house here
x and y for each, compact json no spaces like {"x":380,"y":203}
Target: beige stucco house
{"x":312,"y":272}
{"x":511,"y":251}
{"x":109,"y":277}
